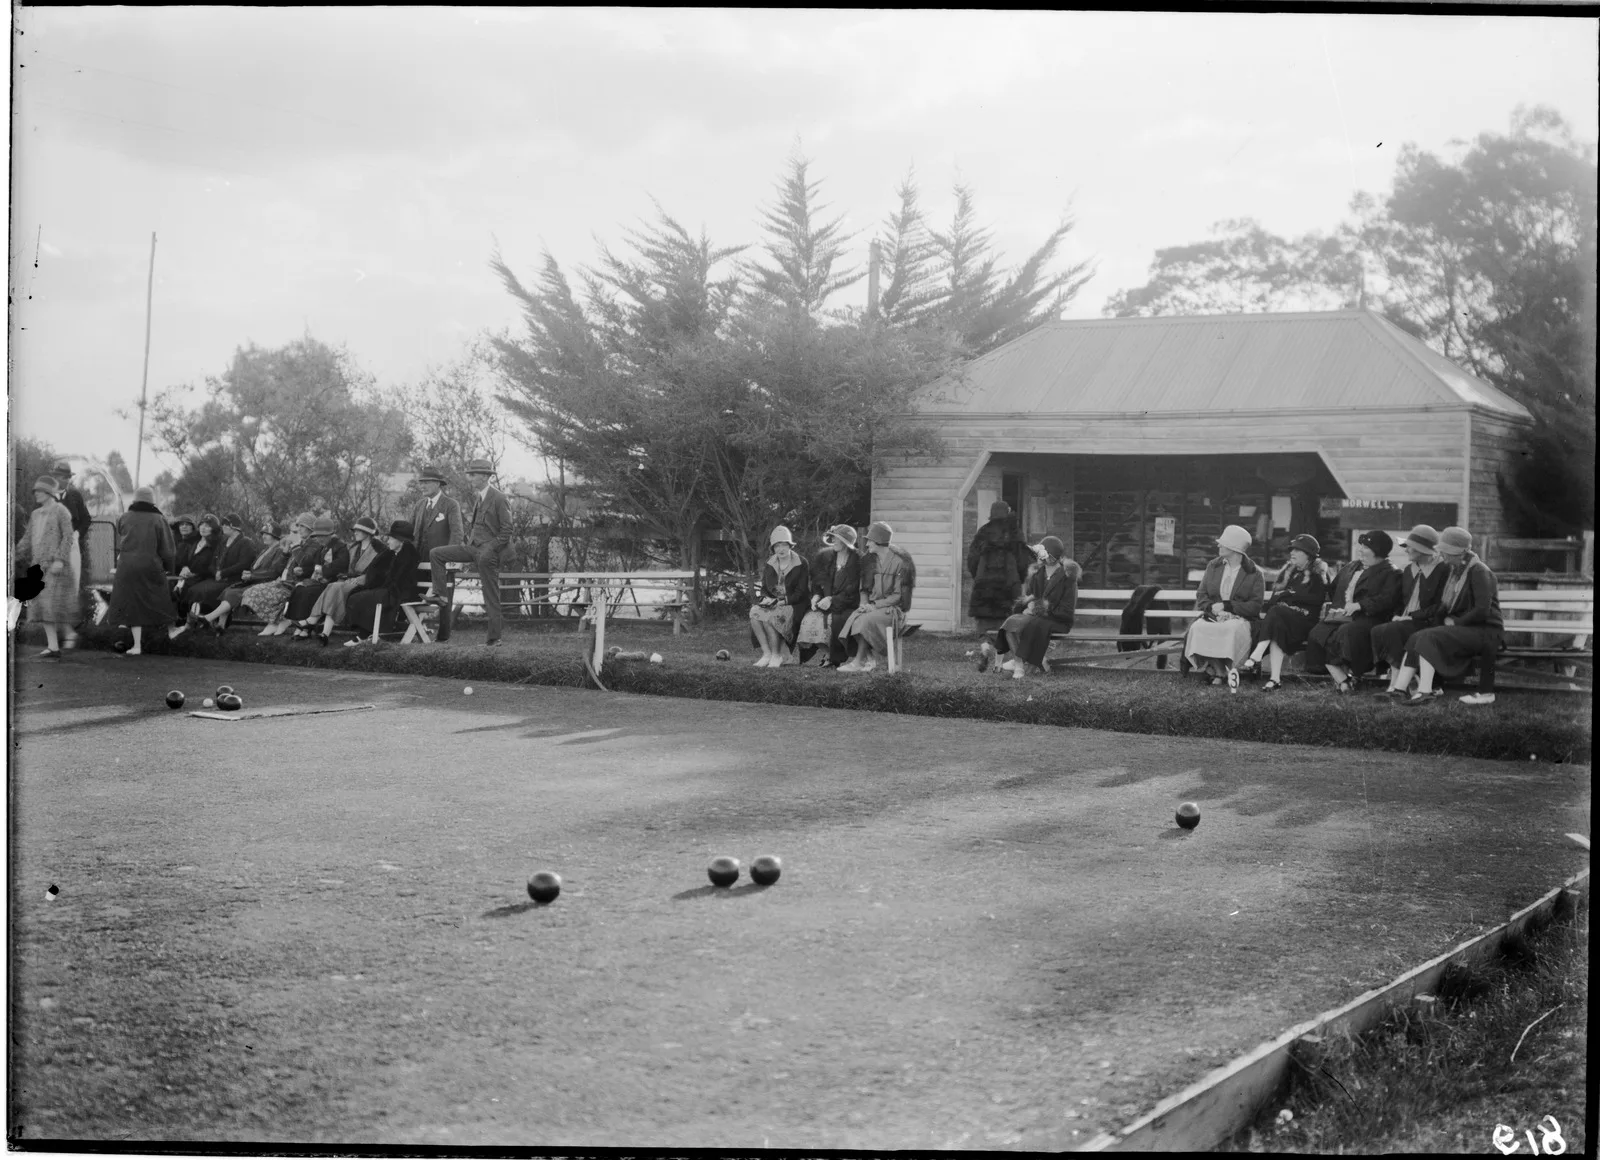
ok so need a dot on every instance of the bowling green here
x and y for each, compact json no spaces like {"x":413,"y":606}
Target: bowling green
{"x":314,"y":929}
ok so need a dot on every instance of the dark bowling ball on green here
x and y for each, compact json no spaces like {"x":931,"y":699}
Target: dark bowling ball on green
{"x":223,"y":691}
{"x":229,"y":701}
{"x":1188,"y":815}
{"x":764,"y":870}
{"x":544,"y":886}
{"x":175,"y":699}
{"x":723,"y":871}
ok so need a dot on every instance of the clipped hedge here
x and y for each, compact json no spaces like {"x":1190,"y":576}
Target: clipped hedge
{"x":941,"y":682}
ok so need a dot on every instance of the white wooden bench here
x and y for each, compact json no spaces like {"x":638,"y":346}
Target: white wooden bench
{"x":1555,"y":624}
{"x":570,"y":593}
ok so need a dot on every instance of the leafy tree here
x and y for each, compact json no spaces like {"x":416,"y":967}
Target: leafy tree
{"x":1245,"y":269}
{"x":453,"y":416}
{"x":300,"y":427}
{"x":1490,"y":260}
{"x":682,"y":403}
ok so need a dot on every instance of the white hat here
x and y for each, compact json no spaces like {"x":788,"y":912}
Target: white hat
{"x":1235,"y":537}
{"x":780,"y":535}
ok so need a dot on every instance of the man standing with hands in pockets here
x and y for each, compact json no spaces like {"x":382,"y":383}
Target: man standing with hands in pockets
{"x":436,"y":523}
{"x":488,"y":533}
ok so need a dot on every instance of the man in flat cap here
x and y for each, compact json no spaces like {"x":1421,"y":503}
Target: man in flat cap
{"x":488,"y":534}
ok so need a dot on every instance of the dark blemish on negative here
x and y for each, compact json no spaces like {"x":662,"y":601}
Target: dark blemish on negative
{"x":52,"y":891}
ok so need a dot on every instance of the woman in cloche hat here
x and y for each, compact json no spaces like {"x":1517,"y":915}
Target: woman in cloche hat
{"x":785,"y":591}
{"x":1291,"y":611}
{"x":50,"y":544}
{"x":1229,"y":598}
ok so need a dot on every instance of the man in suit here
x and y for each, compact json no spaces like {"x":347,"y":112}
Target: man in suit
{"x":436,"y":523}
{"x":488,"y":534}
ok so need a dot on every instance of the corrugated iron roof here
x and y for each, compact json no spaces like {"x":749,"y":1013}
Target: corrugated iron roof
{"x":1225,"y":362}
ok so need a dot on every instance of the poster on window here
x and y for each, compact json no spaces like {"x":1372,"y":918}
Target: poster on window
{"x":1166,"y":535}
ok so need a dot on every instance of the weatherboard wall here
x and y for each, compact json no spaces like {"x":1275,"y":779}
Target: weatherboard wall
{"x":1403,"y":456}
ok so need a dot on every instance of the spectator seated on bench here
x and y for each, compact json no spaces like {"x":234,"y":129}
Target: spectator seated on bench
{"x":1229,"y":598}
{"x":399,"y":586}
{"x":1049,"y":601}
{"x":270,"y":562}
{"x":1291,"y":612}
{"x":888,"y":578}
{"x":1471,"y":631}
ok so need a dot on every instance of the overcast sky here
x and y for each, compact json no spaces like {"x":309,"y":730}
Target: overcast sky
{"x":347,"y":172}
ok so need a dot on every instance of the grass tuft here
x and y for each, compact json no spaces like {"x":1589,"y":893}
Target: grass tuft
{"x":1505,"y":1043}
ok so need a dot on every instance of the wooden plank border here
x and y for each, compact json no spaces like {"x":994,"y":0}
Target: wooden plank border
{"x":1206,"y":1113}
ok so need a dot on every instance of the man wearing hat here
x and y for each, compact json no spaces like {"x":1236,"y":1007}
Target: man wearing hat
{"x":72,"y":499}
{"x":1365,"y":594}
{"x":436,"y":523}
{"x":835,"y":588}
{"x":488,"y":534}
{"x":230,"y":561}
{"x":997,"y":560}
{"x":398,"y":586}
{"x":1471,"y":627}
{"x":888,"y":576}
{"x":1421,"y":584}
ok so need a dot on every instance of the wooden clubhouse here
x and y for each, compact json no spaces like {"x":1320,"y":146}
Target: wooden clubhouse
{"x":1137,"y":440}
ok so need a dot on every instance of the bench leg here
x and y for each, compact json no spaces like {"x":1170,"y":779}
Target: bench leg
{"x":893,"y":657}
{"x":377,"y":619}
{"x":417,"y":629}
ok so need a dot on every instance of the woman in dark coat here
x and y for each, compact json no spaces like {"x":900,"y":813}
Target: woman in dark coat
{"x":1048,"y":605}
{"x":835,"y":589}
{"x":185,"y":540}
{"x":329,"y":561}
{"x":198,"y":566}
{"x":998,"y":560}
{"x":1291,"y":611}
{"x":1366,"y":593}
{"x":785,"y":592}
{"x":231,"y":560}
{"x":146,"y":550}
{"x":270,"y":561}
{"x":1472,"y":628}
{"x":399,"y":585}
{"x":1422,"y":582}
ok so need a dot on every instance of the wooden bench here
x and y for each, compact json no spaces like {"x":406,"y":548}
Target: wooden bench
{"x":1555,"y":624}
{"x":569,"y":594}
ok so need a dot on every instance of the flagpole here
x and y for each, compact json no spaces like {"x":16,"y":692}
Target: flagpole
{"x":144,"y":385}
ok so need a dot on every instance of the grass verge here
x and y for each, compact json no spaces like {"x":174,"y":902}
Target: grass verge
{"x":941,"y":681}
{"x":1502,"y":1044}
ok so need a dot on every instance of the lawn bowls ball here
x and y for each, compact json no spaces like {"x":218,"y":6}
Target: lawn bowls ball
{"x":1188,"y":815}
{"x":544,"y":886}
{"x":209,"y":703}
{"x":467,"y":691}
{"x":230,"y":701}
{"x":655,"y":658}
{"x":175,"y":699}
{"x":223,"y":691}
{"x":724,"y":655}
{"x":764,"y":870}
{"x":723,"y":871}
